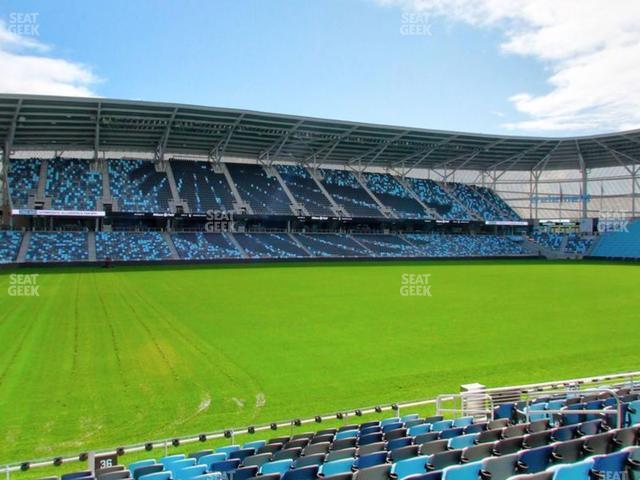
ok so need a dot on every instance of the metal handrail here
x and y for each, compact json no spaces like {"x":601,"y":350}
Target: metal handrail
{"x":603,"y":411}
{"x":479,"y":396}
{"x":345,"y":415}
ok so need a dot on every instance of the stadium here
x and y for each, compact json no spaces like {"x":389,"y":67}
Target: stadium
{"x":176,"y":238}
{"x":424,"y":267}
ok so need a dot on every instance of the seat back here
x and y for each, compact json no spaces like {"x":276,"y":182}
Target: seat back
{"x":411,"y":466}
{"x":499,"y":468}
{"x":535,"y":460}
{"x":441,"y":460}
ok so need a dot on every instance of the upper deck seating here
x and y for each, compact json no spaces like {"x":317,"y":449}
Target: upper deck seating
{"x":305,"y":189}
{"x":394,"y":195}
{"x":202,"y":188}
{"x":434,"y":196}
{"x":263,"y":193}
{"x":72,"y":185}
{"x":138,"y":187}
{"x":347,"y":192}
{"x":23,"y":180}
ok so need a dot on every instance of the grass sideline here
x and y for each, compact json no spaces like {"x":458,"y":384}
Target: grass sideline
{"x":109,"y":357}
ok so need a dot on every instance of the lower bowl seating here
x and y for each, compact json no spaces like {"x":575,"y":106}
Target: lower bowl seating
{"x":57,"y":247}
{"x":131,"y":246}
{"x":508,"y":446}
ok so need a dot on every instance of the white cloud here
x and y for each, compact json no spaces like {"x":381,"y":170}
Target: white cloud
{"x":591,"y":48}
{"x":26,"y":67}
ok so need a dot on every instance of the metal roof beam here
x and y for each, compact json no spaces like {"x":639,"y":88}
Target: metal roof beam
{"x":634,"y":160}
{"x":279,"y":143}
{"x":217,"y":151}
{"x":96,"y":137}
{"x":546,"y":158}
{"x":378,"y":149}
{"x":162,"y":143}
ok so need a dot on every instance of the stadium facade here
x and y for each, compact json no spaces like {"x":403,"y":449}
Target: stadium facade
{"x":102,"y":166}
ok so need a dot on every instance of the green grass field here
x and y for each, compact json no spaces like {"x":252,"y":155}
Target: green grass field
{"x":108,"y":357}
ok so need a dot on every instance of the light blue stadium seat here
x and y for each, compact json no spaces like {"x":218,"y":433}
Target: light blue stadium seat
{"x":211,"y":476}
{"x":409,"y":417}
{"x":470,"y":471}
{"x":188,"y":473}
{"x":169,"y":459}
{"x":533,"y":417}
{"x":180,"y":464}
{"x":410,"y":466}
{"x":575,"y":471}
{"x":633,"y":412}
{"x":156,"y":476}
{"x":141,"y":463}
{"x":347,"y":434}
{"x":255,"y":444}
{"x":441,"y":425}
{"x":279,"y":466}
{"x":336,"y":467}
{"x":213,"y":458}
{"x":462,"y":441}
{"x":390,"y":420}
{"x":462,"y":421}
{"x":419,"y":429}
{"x":227,"y":449}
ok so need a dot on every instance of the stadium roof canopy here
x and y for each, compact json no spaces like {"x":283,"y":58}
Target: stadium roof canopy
{"x":33,"y":122}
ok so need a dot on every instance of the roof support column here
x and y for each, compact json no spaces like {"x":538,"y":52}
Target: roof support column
{"x":6,"y":204}
{"x":6,"y":159}
{"x":634,"y":191}
{"x":585,"y":193}
{"x":536,"y":198}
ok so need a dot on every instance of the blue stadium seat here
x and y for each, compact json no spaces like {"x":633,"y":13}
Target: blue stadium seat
{"x":336,"y":467}
{"x":279,"y":466}
{"x":304,"y":473}
{"x":213,"y":458}
{"x":462,"y":421}
{"x":141,"y":463}
{"x":411,"y":466}
{"x":156,"y":476}
{"x":470,"y":471}
{"x":462,"y":441}
{"x":576,"y":471}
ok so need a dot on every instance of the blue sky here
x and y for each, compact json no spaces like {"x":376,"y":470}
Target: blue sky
{"x":345,"y":59}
